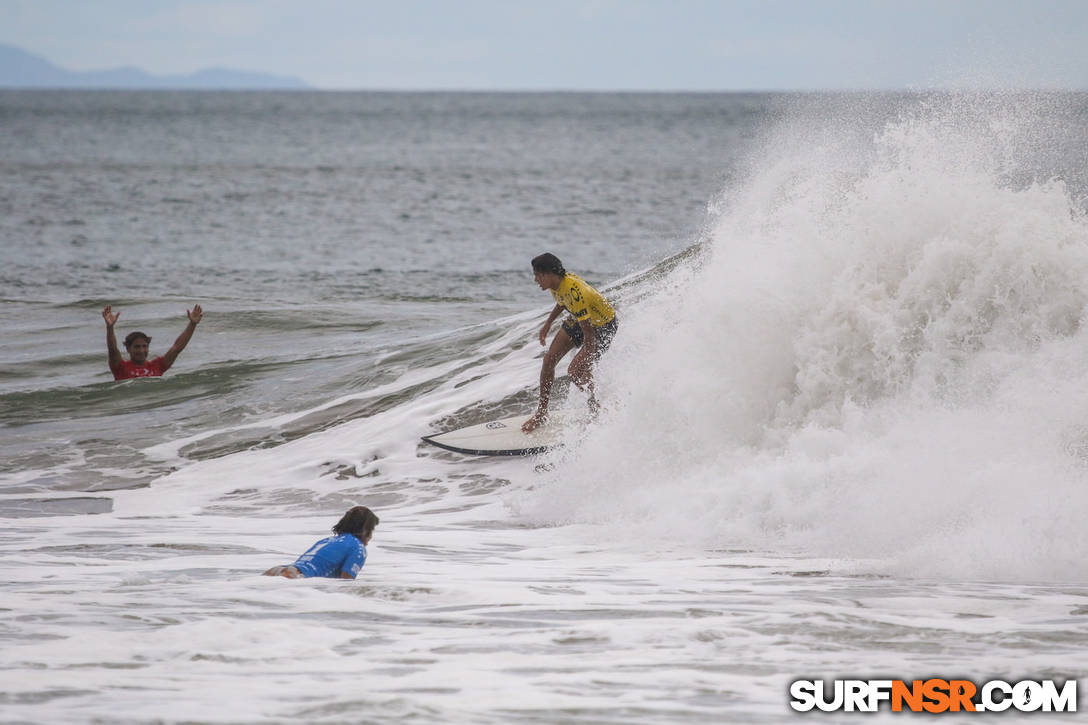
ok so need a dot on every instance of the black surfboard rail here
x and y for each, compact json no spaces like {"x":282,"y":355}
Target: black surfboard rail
{"x":532,"y":451}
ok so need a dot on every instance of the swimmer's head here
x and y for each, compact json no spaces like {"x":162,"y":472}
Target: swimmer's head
{"x":359,"y":521}
{"x":137,"y":344}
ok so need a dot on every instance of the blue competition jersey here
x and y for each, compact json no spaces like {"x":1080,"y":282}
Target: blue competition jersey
{"x":329,"y":557}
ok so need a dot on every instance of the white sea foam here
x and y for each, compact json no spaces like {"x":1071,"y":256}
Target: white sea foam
{"x":882,"y":356}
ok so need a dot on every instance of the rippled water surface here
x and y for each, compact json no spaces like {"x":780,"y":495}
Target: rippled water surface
{"x":843,"y":429}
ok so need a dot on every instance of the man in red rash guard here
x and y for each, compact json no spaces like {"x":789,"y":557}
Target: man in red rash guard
{"x":137,"y":345}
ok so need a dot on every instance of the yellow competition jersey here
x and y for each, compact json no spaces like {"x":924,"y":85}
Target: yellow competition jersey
{"x":582,"y":301}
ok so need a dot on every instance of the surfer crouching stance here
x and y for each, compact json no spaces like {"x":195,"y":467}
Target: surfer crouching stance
{"x":340,"y":556}
{"x":591,"y":326}
{"x":137,"y":344}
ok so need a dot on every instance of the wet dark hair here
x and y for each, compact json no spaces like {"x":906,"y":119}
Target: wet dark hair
{"x":549,"y":264}
{"x":359,"y":520}
{"x":133,"y":336}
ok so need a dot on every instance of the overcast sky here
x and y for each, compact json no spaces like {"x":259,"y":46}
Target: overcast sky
{"x":573,"y":44}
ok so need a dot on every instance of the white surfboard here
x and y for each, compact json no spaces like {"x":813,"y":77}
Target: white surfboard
{"x":501,"y":438}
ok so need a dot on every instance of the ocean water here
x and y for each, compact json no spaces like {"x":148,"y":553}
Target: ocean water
{"x":844,"y":427}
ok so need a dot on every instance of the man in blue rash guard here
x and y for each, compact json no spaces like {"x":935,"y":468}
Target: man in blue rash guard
{"x":340,"y":556}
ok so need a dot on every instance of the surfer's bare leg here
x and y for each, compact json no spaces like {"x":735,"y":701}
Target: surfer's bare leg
{"x":584,"y":382}
{"x":561,"y":345}
{"x":594,"y":406}
{"x":581,"y":367}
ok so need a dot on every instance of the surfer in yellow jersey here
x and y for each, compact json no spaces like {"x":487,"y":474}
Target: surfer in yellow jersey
{"x":591,"y":326}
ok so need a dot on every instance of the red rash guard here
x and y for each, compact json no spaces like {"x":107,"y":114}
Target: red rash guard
{"x":128,"y":369}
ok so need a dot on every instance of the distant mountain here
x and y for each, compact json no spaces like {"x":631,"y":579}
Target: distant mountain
{"x":20,"y":69}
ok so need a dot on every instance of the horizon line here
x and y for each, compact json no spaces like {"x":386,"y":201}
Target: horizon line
{"x":556,"y":90}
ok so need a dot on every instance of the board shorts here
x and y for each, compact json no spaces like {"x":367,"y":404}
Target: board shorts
{"x":605,"y":333}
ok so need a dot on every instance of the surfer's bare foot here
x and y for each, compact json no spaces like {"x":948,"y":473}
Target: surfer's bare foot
{"x":533,"y":423}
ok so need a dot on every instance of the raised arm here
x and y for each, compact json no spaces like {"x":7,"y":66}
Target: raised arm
{"x":183,"y":339}
{"x":111,"y":339}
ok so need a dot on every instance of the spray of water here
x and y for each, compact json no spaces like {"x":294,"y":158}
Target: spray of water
{"x":880,"y":356}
